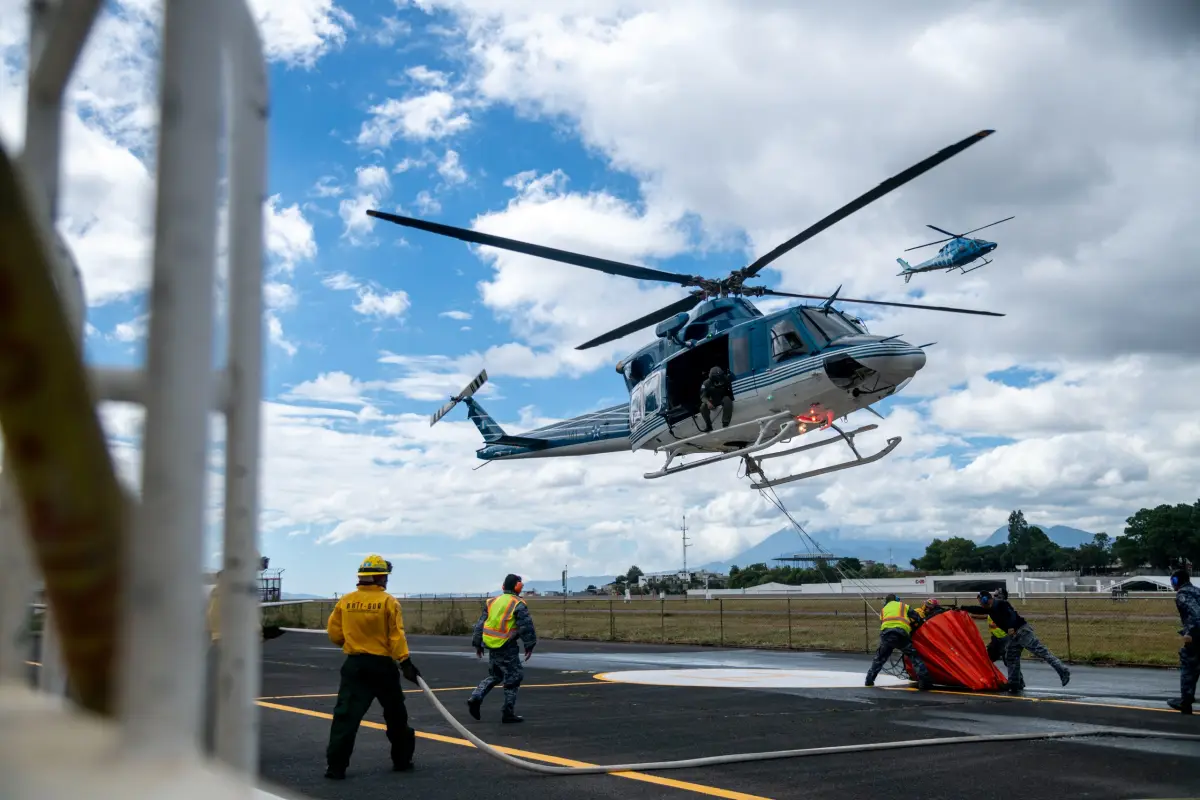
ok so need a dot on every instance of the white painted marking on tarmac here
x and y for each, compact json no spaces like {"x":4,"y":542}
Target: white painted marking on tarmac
{"x":748,"y":678}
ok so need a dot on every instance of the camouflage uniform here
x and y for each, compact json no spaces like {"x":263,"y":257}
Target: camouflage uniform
{"x":1023,"y":637}
{"x":1187,"y":602}
{"x":505,"y":661}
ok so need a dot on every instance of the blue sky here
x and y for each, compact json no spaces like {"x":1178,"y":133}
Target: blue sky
{"x":691,"y":137}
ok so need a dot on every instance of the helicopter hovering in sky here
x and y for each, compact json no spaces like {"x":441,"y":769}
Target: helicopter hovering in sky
{"x":791,"y":372}
{"x":956,"y":254}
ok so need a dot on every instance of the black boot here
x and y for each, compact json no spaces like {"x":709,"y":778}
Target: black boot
{"x":510,"y":716}
{"x":1182,"y":705}
{"x":334,"y":773}
{"x":473,"y":706}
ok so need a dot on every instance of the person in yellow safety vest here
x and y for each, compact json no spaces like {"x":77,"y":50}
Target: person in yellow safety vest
{"x":897,"y":621}
{"x":369,"y":627}
{"x":930,"y":608}
{"x":503,"y":626}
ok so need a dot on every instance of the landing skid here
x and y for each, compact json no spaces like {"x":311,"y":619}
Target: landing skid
{"x":767,"y":436}
{"x":753,"y":468}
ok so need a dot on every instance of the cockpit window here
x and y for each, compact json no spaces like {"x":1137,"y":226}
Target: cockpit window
{"x":786,"y":340}
{"x":831,"y":323}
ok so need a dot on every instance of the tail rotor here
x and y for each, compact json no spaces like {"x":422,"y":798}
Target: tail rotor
{"x":469,"y":390}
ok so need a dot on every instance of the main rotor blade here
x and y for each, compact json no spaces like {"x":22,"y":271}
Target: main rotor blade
{"x":927,"y":244}
{"x":892,"y":183}
{"x":553,"y":254}
{"x":885,"y":303}
{"x":686,"y":304}
{"x":990,"y":224}
{"x":948,"y":233}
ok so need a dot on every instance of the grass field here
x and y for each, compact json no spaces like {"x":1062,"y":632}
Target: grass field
{"x":1094,"y":630}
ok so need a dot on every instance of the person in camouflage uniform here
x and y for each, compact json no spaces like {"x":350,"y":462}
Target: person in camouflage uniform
{"x":504,"y":625}
{"x":1021,"y":636}
{"x":1187,"y":602}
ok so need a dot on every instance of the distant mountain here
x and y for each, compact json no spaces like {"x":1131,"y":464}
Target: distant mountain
{"x":573,"y":584}
{"x":292,"y":596}
{"x":1061,"y":535}
{"x":787,"y":542}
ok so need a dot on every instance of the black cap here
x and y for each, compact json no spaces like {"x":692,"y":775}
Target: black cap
{"x":1180,"y":577}
{"x":715,"y":372}
{"x":985,"y":596}
{"x":891,"y":598}
{"x":510,"y":582}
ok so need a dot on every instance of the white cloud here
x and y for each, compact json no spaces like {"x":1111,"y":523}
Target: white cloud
{"x":389,"y":31}
{"x":373,"y":300}
{"x":382,"y":305}
{"x":434,"y":115}
{"x":290,"y":237}
{"x":300,"y":32}
{"x":280,"y":296}
{"x":450,"y":168}
{"x":427,"y":204}
{"x":372,"y":186}
{"x":330,"y":387}
{"x":427,"y":76}
{"x":327,"y":186}
{"x":459,"y":315}
{"x":132,"y":331}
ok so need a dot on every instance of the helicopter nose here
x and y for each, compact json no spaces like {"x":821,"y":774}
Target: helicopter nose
{"x":897,"y":366}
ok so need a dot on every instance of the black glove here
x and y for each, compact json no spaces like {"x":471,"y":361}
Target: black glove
{"x":272,"y":632}
{"x":529,"y":652}
{"x":409,"y":669}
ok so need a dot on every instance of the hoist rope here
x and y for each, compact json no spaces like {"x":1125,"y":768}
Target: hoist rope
{"x":857,"y":582}
{"x":737,"y":758}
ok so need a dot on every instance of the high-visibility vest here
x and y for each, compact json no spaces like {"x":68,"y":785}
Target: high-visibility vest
{"x":996,"y":630}
{"x":895,"y":615}
{"x":498,"y":628}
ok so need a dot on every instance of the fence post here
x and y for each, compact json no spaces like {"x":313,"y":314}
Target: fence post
{"x":866,"y":630}
{"x":612,"y":621}
{"x":662,"y":616}
{"x":421,"y":615}
{"x":721,"y":611}
{"x":789,"y":616}
{"x":564,"y":633}
{"x":1067,"y":616}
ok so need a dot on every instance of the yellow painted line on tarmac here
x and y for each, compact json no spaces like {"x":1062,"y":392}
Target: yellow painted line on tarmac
{"x":446,"y":689}
{"x":698,"y":788}
{"x":1032,"y":699}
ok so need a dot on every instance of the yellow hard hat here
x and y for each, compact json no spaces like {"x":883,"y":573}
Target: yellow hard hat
{"x":374,"y":565}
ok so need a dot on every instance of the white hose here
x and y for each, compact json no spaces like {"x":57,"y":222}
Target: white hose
{"x":736,"y":758}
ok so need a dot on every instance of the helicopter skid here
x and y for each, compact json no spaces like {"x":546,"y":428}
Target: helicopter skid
{"x":752,"y":466}
{"x":788,"y":427}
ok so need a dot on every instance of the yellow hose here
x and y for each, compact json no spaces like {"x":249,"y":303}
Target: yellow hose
{"x":56,"y":452}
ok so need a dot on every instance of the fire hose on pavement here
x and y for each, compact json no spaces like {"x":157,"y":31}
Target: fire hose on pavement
{"x":738,"y":758}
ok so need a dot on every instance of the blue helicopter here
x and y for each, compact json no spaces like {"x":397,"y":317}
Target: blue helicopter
{"x":792,"y":372}
{"x":957,"y":254}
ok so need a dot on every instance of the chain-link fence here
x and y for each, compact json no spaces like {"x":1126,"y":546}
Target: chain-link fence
{"x":1132,"y":630}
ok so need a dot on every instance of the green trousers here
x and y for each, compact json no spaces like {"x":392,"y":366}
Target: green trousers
{"x":366,"y":678}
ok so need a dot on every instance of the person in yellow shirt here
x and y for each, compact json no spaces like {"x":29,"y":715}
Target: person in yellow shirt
{"x":369,"y":627}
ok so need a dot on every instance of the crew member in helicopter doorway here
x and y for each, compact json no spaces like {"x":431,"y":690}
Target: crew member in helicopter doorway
{"x":1187,"y":601}
{"x":502,"y":628}
{"x":716,"y":391}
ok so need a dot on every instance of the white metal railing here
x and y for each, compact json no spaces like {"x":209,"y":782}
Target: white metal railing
{"x":211,"y":52}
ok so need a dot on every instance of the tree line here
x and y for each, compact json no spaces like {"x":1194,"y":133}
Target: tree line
{"x":1162,"y":537}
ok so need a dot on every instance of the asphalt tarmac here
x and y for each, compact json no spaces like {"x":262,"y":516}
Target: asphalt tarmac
{"x":574,"y":718}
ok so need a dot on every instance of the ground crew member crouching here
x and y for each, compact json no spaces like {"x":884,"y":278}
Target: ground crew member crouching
{"x":1187,"y":602}
{"x":897,"y":621}
{"x":504,"y":625}
{"x":368,"y":625}
{"x":998,"y":642}
{"x":1021,"y":636}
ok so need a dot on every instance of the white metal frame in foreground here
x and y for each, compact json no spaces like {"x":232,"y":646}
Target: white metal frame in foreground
{"x":210,"y":48}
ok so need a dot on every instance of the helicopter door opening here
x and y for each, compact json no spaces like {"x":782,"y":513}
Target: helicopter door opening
{"x":687,"y":370}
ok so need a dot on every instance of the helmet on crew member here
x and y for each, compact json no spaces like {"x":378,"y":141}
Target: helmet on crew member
{"x":932,"y":603}
{"x":716,"y":372}
{"x":373,"y":566}
{"x":513,"y":583}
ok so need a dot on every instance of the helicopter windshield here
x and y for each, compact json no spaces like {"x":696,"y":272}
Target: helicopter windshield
{"x":832,"y":323}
